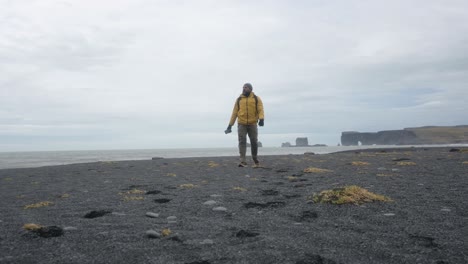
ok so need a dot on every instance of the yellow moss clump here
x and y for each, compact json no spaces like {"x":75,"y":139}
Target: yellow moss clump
{"x":37,"y":205}
{"x":406,"y":163}
{"x":171,"y":174}
{"x":133,"y":198}
{"x":136,"y":191}
{"x":359,"y":163}
{"x":187,"y":186}
{"x":239,"y":189}
{"x":315,"y":170}
{"x":292,"y":178}
{"x":166,"y":232}
{"x":465,"y":162}
{"x":348,"y":195}
{"x":32,"y":227}
{"x":212,"y":164}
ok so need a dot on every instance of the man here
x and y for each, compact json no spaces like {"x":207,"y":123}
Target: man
{"x":248,"y":110}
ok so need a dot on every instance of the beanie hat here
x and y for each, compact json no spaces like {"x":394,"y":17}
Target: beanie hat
{"x":248,"y":85}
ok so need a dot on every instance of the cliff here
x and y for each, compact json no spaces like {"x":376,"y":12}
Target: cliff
{"x":408,"y":136}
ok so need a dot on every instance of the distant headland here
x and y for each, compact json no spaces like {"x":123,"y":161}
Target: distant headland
{"x":408,"y":136}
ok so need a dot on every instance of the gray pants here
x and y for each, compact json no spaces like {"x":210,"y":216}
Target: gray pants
{"x":252,"y":131}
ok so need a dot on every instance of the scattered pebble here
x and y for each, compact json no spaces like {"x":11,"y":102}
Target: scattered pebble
{"x":207,"y":242}
{"x":215,"y":195}
{"x":153,"y":234}
{"x":381,"y":169}
{"x":70,"y":228}
{"x":395,"y":170}
{"x":152,"y":215}
{"x":220,"y":209}
{"x":389,"y":214}
{"x":171,"y":218}
{"x":421,"y":184}
{"x":119,"y":214}
{"x":445,"y":210}
{"x":210,"y":202}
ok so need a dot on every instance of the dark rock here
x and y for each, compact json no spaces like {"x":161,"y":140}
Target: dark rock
{"x":270,"y":192}
{"x":309,"y":153}
{"x":402,"y":159}
{"x":244,"y":234}
{"x":162,"y":200}
{"x":157,"y":158}
{"x":49,"y":231}
{"x":423,"y":241}
{"x":290,"y":196}
{"x":307,"y":216}
{"x":286,"y":145}
{"x":264,"y":205}
{"x":282,"y":170}
{"x":454,"y":150}
{"x":315,"y":259}
{"x":153,"y":192}
{"x":176,"y":239}
{"x":199,"y":262}
{"x":94,"y":214}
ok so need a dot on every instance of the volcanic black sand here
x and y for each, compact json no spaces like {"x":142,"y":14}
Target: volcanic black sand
{"x":208,"y":210}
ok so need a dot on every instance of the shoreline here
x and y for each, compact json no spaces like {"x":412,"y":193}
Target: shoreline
{"x":216,"y":212}
{"x":14,"y":160}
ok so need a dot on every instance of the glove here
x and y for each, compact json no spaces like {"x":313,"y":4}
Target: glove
{"x":260,"y":123}
{"x":228,"y":130}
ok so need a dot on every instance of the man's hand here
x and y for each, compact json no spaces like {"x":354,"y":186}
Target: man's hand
{"x":228,"y":130}
{"x":261,"y":123}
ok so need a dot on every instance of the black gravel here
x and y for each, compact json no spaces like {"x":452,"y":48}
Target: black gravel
{"x":97,"y":210}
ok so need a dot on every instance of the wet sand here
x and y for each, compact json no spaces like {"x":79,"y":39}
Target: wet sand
{"x":208,"y":210}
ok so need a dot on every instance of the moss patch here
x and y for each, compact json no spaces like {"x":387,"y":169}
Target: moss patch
{"x":32,"y":227}
{"x":360,"y":163}
{"x":348,"y":195}
{"x":212,"y":164}
{"x":315,"y":170}
{"x":406,"y":163}
{"x":38,"y":205}
{"x":239,"y":189}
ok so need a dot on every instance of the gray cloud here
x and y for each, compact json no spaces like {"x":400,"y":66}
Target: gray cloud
{"x":145,"y":74}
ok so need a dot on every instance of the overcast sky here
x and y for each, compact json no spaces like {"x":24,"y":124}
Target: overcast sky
{"x":132,"y":74}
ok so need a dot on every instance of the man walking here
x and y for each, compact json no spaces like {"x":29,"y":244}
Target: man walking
{"x":248,"y":110}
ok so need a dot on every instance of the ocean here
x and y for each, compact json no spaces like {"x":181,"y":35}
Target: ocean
{"x":47,"y":158}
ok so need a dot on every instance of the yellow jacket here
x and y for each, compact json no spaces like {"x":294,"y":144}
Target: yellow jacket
{"x":247,"y":110}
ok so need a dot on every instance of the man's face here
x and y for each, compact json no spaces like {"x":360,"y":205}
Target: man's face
{"x":246,"y":89}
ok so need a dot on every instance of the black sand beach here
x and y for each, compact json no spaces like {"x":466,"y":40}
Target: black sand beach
{"x":207,"y":210}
